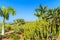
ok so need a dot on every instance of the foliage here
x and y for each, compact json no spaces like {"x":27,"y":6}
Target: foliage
{"x":7,"y":28}
{"x":0,"y":36}
{"x":0,"y":29}
{"x":19,"y":21}
{"x":4,"y":12}
{"x":18,"y":29}
{"x":15,"y":37}
{"x":46,"y":27}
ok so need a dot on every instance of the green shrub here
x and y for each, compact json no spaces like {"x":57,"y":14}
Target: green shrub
{"x":7,"y":29}
{"x":0,"y":36}
{"x":15,"y":37}
{"x":3,"y":36}
{"x":18,"y":29}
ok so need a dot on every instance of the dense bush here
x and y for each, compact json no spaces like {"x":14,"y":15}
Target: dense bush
{"x":19,"y":21}
{"x":18,"y":29}
{"x":0,"y":28}
{"x":7,"y":29}
{"x":15,"y":37}
{"x":36,"y":30}
{"x":0,"y":36}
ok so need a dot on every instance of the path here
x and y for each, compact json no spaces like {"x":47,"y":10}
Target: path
{"x":58,"y":38}
{"x":9,"y":32}
{"x":21,"y":37}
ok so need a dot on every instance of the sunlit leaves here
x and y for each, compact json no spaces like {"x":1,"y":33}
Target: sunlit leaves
{"x":1,"y":13}
{"x":4,"y":12}
{"x":11,"y":10}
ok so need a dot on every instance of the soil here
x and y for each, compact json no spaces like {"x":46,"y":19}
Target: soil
{"x":58,"y":38}
{"x":7,"y":39}
{"x":21,"y":37}
{"x":11,"y":31}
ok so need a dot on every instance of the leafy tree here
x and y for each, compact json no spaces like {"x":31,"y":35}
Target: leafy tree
{"x":19,"y":21}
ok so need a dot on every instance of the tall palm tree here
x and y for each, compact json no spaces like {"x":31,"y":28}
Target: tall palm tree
{"x":57,"y":21}
{"x":37,"y":15}
{"x":4,"y":12}
{"x":51,"y":20}
{"x":41,"y":11}
{"x":54,"y":16}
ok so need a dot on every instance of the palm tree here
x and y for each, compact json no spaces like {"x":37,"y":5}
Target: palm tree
{"x":37,"y":15}
{"x":41,"y":13}
{"x":51,"y":20}
{"x":58,"y":19}
{"x":4,"y":12}
{"x":54,"y":16}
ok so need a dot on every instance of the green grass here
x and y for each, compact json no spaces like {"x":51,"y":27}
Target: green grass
{"x":29,"y":30}
{"x":15,"y":37}
{"x":0,"y":28}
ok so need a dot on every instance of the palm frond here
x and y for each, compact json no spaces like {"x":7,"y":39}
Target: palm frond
{"x":1,"y":12}
{"x":11,"y":10}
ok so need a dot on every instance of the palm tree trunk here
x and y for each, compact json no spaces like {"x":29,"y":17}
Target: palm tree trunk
{"x":3,"y":27}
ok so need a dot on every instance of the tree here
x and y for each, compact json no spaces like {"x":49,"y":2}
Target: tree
{"x":41,"y":12}
{"x":4,"y":12}
{"x":19,"y":21}
{"x":54,"y":17}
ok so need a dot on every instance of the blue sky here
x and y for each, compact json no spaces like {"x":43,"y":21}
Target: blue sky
{"x":26,"y":8}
